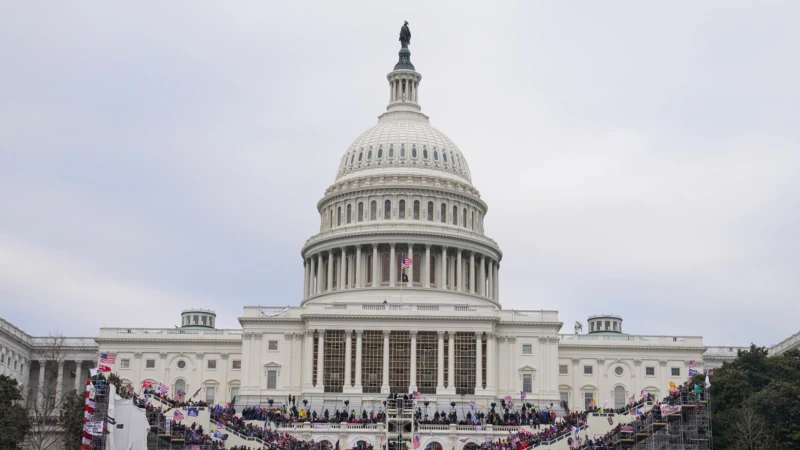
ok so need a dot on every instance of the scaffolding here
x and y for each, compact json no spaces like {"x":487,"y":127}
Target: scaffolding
{"x":100,"y":412}
{"x":685,"y":426}
{"x":399,"y":424}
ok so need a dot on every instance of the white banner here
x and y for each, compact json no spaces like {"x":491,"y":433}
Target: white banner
{"x":670,"y":409}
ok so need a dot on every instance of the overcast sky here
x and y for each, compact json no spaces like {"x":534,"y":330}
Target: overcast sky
{"x":638,"y":158}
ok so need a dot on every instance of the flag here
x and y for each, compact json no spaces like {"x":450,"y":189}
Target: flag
{"x":163,"y":388}
{"x":178,"y":416}
{"x":193,"y":412}
{"x":217,"y":435}
{"x":711,"y":372}
{"x":198,"y":391}
{"x":642,"y":394}
{"x":417,"y":442}
{"x":672,"y":385}
{"x":692,"y":373}
{"x":337,"y":445}
{"x":631,"y":400}
{"x":416,"y":395}
{"x":406,"y":262}
{"x":708,"y":382}
{"x":108,"y":358}
{"x":147,"y":384}
{"x":639,"y":412}
{"x":521,"y":396}
{"x":102,"y":368}
{"x":692,"y":363}
{"x":472,"y":405}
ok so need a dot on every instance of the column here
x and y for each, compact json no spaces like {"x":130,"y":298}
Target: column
{"x":348,"y":356}
{"x":497,"y":282}
{"x":376,"y":276}
{"x":490,"y":290}
{"x":358,"y":266}
{"x":410,"y":270}
{"x":427,"y":274}
{"x":40,"y":387}
{"x":459,"y":272}
{"x":320,"y":274}
{"x":309,"y":358}
{"x":311,"y":284}
{"x":443,"y":274}
{"x":512,"y":366}
{"x":385,"y":383}
{"x":343,"y":269}
{"x":554,"y":365}
{"x":478,"y":361}
{"x":392,"y":266}
{"x":330,"y":270}
{"x":502,"y":355}
{"x":358,"y":359}
{"x":451,"y":361}
{"x":542,"y":357}
{"x":472,"y":272}
{"x":59,"y":382}
{"x":78,"y":376}
{"x":413,"y":374}
{"x":490,"y":365}
{"x":320,"y":358}
{"x":440,"y":364}
{"x":451,"y":268}
{"x":305,"y":278}
{"x":482,"y":277}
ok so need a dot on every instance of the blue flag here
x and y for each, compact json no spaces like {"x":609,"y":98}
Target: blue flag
{"x":193,"y":412}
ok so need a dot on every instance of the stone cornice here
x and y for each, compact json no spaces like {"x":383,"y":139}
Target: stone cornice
{"x":422,"y":192}
{"x":153,"y":339}
{"x":608,"y":346}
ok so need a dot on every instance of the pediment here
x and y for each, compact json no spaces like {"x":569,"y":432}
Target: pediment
{"x":527,"y":369}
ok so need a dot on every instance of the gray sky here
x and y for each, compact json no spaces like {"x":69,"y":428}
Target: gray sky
{"x":638,"y":158}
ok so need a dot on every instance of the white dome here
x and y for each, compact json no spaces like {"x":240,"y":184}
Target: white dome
{"x":404,"y":142}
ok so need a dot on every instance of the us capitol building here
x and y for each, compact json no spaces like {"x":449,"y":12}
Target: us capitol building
{"x":367,"y":325}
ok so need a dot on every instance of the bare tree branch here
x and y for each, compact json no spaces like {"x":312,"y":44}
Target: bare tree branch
{"x":750,"y":431}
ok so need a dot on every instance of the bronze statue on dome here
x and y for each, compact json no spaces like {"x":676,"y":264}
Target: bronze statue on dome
{"x":405,"y":35}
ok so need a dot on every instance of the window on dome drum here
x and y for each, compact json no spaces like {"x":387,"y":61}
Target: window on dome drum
{"x":676,"y":371}
{"x":650,"y":371}
{"x":385,"y":259}
{"x":464,"y":218}
{"x":465,"y":363}
{"x":435,"y":155}
{"x":416,"y":209}
{"x":444,"y":157}
{"x":353,"y":158}
{"x":360,"y":211}
{"x":401,"y":209}
{"x":380,"y":152}
{"x":427,"y":360}
{"x":619,"y":371}
{"x":455,"y":215}
{"x":373,"y":210}
{"x":360,"y":155}
{"x":372,"y":361}
{"x":402,"y":151}
{"x":150,"y":364}
{"x":430,"y":211}
{"x":414,"y":152}
{"x":424,"y":153}
{"x":272,"y":379}
{"x":399,"y":361}
{"x":391,"y":152}
{"x":339,"y":216}
{"x":615,"y":326}
{"x":416,"y":267}
{"x":333,"y":368}
{"x":563,"y":369}
{"x":527,"y":349}
{"x":608,"y":325}
{"x":349,"y":213}
{"x":387,"y":209}
{"x":330,"y":222}
{"x":527,"y":382}
{"x":587,"y":370}
{"x":443,"y":213}
{"x":211,"y":364}
{"x":369,"y":155}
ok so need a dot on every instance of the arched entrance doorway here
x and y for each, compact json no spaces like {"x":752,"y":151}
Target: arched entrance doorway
{"x":363,"y":445}
{"x":323,"y":445}
{"x":180,"y":387}
{"x":619,"y":397}
{"x":471,"y":446}
{"x":433,"y":446}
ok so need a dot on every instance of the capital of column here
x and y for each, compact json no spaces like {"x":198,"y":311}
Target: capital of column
{"x":163,"y":355}
{"x":479,"y":335}
{"x":387,"y":333}
{"x":440,"y":334}
{"x":552,"y":339}
{"x":310,"y":334}
{"x":224,"y":355}
{"x":288,"y":336}
{"x":392,"y":245}
{"x":662,"y":362}
{"x":200,"y":356}
{"x":321,"y":333}
{"x":412,"y":333}
{"x":137,"y":355}
{"x":374,"y":246}
{"x":451,"y":334}
{"x":489,"y":335}
{"x":512,"y":339}
{"x":358,"y":246}
{"x":601,"y":361}
{"x":543,"y":339}
{"x":637,"y":362}
{"x":576,"y":361}
{"x":501,"y":338}
{"x":348,"y":333}
{"x":359,"y":333}
{"x":427,"y":246}
{"x":299,"y":336}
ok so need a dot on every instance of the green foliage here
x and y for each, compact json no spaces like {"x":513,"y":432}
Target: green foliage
{"x":13,"y":417}
{"x":767,"y":385}
{"x":72,"y":420}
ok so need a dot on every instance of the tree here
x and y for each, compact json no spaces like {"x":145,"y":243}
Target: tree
{"x":45,"y":401}
{"x":749,"y":431}
{"x":14,"y":419}
{"x":72,"y":412}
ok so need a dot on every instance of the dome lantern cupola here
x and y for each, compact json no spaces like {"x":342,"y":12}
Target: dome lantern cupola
{"x":605,"y":323}
{"x":404,"y":79}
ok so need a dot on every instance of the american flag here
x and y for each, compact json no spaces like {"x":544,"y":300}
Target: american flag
{"x":692,"y":363}
{"x":417,"y":442}
{"x":178,"y":416}
{"x":406,"y":262}
{"x":108,"y":358}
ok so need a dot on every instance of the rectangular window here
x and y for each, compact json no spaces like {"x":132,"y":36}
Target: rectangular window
{"x":210,"y":391}
{"x":124,"y":363}
{"x":563,"y":369}
{"x":587,"y":370}
{"x":237,"y":364}
{"x":234,"y":393}
{"x":564,"y":397}
{"x":527,"y":382}
{"x":212,"y":364}
{"x":588,"y":399}
{"x":650,"y":371}
{"x":150,"y":364}
{"x":272,"y":379}
{"x":273,"y":346}
{"x":676,"y":371}
{"x":527,"y":349}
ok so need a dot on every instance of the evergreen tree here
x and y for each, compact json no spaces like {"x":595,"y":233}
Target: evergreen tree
{"x":14,"y":419}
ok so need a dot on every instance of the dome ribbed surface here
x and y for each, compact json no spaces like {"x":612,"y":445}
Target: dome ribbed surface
{"x":404,"y":143}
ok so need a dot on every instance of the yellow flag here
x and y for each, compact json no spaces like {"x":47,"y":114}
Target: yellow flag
{"x":672,"y":385}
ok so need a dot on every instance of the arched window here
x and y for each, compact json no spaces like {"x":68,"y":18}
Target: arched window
{"x":458,"y":161}
{"x":360,"y":211}
{"x":455,"y":215}
{"x":443,"y":213}
{"x":435,"y":155}
{"x":380,"y":152}
{"x":385,"y":261}
{"x":464,"y":218}
{"x":373,"y":210}
{"x":433,"y":446}
{"x":387,"y":209}
{"x":430,"y":211}
{"x":369,"y":155}
{"x":416,"y":266}
{"x":416,"y":209}
{"x":401,"y":209}
{"x":349,"y":213}
{"x":369,"y":268}
{"x":391,"y":151}
{"x":360,"y":155}
{"x":353,"y":158}
{"x":424,"y":153}
{"x":414,"y":152}
{"x":444,"y":157}
{"x":402,"y":151}
{"x":180,"y":386}
{"x":619,"y":397}
{"x":339,"y":216}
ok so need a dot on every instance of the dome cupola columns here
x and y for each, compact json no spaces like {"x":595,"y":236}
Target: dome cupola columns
{"x":404,"y":79}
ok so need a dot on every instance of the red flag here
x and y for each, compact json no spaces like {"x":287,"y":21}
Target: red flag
{"x":147,"y":384}
{"x":103,"y":368}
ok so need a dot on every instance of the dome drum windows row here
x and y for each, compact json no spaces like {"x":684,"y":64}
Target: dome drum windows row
{"x":439,"y":157}
{"x":463,"y":216}
{"x":381,"y":265}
